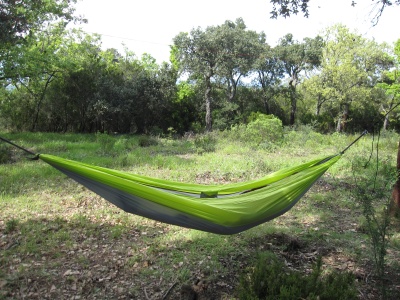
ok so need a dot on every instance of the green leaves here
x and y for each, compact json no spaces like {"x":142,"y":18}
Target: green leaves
{"x":286,"y":8}
{"x":351,"y":67}
{"x":222,"y":54}
{"x":20,"y":18}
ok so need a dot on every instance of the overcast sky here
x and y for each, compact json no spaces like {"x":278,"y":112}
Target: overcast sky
{"x":148,"y":26}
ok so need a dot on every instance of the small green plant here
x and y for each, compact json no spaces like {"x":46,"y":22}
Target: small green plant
{"x":270,"y":279}
{"x":374,"y":183}
{"x":171,"y":132}
{"x":11,"y":225}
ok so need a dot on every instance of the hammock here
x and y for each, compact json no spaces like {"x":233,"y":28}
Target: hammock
{"x":220,"y":209}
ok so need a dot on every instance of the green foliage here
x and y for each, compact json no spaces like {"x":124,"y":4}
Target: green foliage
{"x":270,"y":279}
{"x":19,"y":18}
{"x":297,"y":57}
{"x":147,"y":141}
{"x":262,"y":130}
{"x":205,"y":143}
{"x":5,"y":153}
{"x":351,"y":67}
{"x":106,"y":143}
{"x":60,"y":80}
{"x":11,"y":225}
{"x":223,"y":53}
{"x":374,"y":182}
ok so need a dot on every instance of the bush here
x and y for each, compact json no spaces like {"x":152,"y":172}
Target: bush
{"x":261,"y":130}
{"x":147,"y":141}
{"x":106,"y":143}
{"x":270,"y":279}
{"x":205,"y":143}
{"x":374,"y":184}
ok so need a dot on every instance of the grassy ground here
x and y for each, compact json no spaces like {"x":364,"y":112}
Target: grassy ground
{"x":61,"y":241}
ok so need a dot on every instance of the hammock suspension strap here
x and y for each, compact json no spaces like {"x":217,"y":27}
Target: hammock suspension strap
{"x":35,"y":156}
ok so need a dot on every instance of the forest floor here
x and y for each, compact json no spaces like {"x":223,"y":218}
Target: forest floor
{"x":60,"y":241}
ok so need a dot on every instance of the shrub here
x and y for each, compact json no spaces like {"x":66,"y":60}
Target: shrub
{"x":205,"y":143}
{"x":156,"y":131}
{"x":106,"y":143}
{"x":270,"y":279}
{"x":261,"y":130}
{"x":374,"y":182}
{"x":147,"y":141}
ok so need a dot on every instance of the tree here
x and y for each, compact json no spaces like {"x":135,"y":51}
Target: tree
{"x":35,"y":65}
{"x":20,"y":17}
{"x":318,"y":89}
{"x":198,"y":54}
{"x":269,"y":71}
{"x":286,"y":8}
{"x":298,"y":57}
{"x":240,"y":48}
{"x":350,"y":67}
{"x":390,"y":83}
{"x":223,"y":54}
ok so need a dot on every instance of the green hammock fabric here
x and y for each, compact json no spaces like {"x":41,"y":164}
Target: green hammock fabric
{"x":221,"y":209}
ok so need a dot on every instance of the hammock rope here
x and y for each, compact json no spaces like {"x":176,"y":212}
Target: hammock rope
{"x":221,"y":209}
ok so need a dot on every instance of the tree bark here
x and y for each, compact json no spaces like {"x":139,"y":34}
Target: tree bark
{"x":343,"y":118}
{"x":319,"y":104}
{"x":207,"y":98}
{"x":266,"y":105}
{"x":293,"y":105}
{"x":394,"y":209}
{"x":293,"y":98}
{"x":386,"y":121}
{"x":232,"y":87}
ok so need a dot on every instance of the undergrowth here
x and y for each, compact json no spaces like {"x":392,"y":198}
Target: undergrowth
{"x":374,"y":180}
{"x":5,"y":154}
{"x":271,"y":279}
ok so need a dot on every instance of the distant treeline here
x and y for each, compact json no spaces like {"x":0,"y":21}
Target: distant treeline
{"x":60,"y":80}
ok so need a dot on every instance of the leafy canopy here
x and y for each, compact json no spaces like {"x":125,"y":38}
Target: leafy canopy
{"x":19,"y":17}
{"x":286,"y":8}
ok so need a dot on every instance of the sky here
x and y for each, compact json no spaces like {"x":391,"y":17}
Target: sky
{"x":149,"y":26}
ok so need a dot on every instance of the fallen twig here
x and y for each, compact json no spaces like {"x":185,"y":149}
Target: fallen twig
{"x":145,"y":293}
{"x":169,"y":290}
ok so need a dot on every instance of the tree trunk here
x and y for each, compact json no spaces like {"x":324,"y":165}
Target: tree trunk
{"x":232,"y":88}
{"x":207,"y":98}
{"x":343,"y":118}
{"x":319,"y":104}
{"x":293,"y":106}
{"x":394,"y":209}
{"x":386,"y":121}
{"x":266,"y":105}
{"x":293,"y":112}
{"x":293,"y":101}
